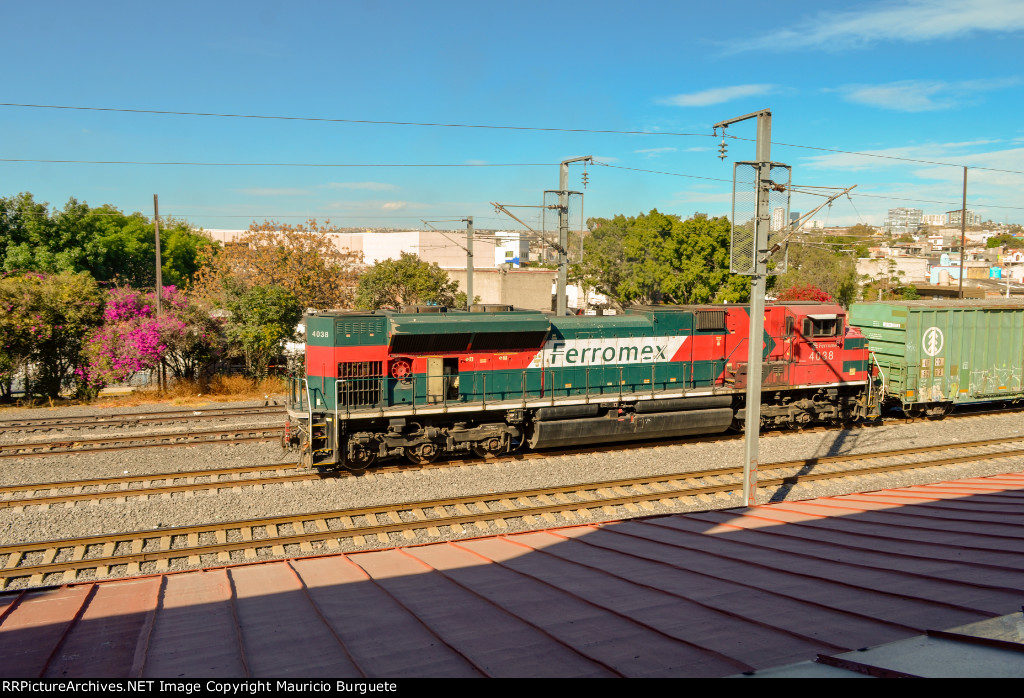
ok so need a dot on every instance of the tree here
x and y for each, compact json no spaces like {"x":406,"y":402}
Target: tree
{"x":661,"y":258}
{"x":1006,"y":240}
{"x":834,"y":272}
{"x":43,"y":325}
{"x":300,"y":259}
{"x":263,"y":318}
{"x":888,"y":285}
{"x":407,"y":281}
{"x":103,"y":241}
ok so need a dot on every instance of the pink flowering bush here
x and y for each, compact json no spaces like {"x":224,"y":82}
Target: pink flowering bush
{"x":133,"y":339}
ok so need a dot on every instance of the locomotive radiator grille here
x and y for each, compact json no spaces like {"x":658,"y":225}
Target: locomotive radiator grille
{"x":359,"y":383}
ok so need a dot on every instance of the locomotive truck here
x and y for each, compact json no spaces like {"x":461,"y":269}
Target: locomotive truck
{"x":428,"y":381}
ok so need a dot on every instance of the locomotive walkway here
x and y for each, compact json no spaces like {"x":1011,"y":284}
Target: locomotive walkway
{"x":708,"y":594}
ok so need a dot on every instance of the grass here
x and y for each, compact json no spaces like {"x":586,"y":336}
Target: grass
{"x":217,"y":389}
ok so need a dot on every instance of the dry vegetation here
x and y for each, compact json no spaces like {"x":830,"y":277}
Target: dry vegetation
{"x":218,"y":389}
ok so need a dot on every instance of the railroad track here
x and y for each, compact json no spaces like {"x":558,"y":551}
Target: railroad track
{"x":133,"y":418}
{"x":128,"y":554}
{"x":119,"y":443}
{"x":120,"y":489}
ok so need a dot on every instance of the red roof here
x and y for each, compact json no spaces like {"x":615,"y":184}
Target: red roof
{"x":702,"y":594}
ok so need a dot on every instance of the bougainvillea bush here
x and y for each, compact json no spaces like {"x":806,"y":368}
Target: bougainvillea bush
{"x":804,"y":293}
{"x":133,"y":338}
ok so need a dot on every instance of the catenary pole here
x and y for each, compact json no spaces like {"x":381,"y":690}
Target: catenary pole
{"x":758,"y":286}
{"x":563,"y":233}
{"x":469,"y":262}
{"x":963,"y":238}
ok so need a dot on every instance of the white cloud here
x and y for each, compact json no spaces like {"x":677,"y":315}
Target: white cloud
{"x":899,"y":157}
{"x":655,"y":152}
{"x":394,"y":205}
{"x":717,"y":95}
{"x":911,"y":20}
{"x":922,"y":95}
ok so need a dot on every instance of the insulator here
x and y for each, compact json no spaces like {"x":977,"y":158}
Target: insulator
{"x":585,"y":177}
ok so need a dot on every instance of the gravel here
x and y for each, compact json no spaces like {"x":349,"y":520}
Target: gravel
{"x":35,"y":523}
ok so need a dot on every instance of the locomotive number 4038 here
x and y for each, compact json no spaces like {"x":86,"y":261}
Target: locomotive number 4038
{"x":822,"y":355}
{"x":320,"y":333}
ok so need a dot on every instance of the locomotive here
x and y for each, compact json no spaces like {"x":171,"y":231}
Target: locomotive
{"x":427,"y":381}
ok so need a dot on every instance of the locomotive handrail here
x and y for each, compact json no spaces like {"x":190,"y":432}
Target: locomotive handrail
{"x":309,"y":404}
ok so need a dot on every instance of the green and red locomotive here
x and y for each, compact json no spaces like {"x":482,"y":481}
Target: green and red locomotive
{"x":428,"y":380}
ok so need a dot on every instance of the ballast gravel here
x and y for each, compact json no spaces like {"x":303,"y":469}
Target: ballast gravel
{"x":157,"y":513}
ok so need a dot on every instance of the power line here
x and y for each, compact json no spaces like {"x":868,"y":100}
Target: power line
{"x":673,"y":174}
{"x":885,"y":157}
{"x":280,"y":164}
{"x":482,"y":126}
{"x":355,"y":121}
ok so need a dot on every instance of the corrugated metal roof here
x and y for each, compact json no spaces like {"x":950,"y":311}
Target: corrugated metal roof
{"x":715,"y":593}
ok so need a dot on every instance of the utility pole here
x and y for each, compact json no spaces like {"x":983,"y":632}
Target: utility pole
{"x":469,"y":262}
{"x":468,"y":247}
{"x":963,"y":237}
{"x":159,"y":262}
{"x":758,"y":285}
{"x":161,"y":378}
{"x":563,"y":232}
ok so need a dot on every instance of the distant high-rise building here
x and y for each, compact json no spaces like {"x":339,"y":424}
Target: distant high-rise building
{"x":903,"y":220}
{"x":778,"y":218}
{"x":934,"y":219}
{"x":973,"y":218}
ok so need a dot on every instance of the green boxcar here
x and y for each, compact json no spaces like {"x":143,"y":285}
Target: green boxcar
{"x":932,"y":355}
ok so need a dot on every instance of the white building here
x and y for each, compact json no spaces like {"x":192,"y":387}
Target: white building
{"x":446,"y":248}
{"x":511,"y":248}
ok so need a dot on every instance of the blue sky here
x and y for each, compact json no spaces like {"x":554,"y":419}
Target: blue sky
{"x":939,"y":81}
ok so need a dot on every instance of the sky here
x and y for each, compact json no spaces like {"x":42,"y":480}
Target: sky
{"x":388,"y":114}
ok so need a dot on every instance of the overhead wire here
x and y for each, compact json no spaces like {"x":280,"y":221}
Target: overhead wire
{"x":168,"y":112}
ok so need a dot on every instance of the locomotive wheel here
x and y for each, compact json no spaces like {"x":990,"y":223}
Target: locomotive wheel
{"x":491,"y":448}
{"x":422,"y":454}
{"x":361,"y":459}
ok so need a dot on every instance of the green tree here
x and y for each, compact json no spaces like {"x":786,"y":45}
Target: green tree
{"x":103,"y":241}
{"x":834,"y":272}
{"x":407,"y":281}
{"x":263,"y":318}
{"x":43,"y":327}
{"x":888,"y":285}
{"x":1006,"y":240}
{"x":661,"y":258}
